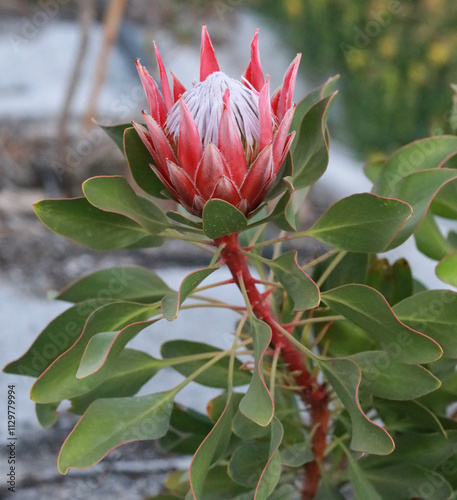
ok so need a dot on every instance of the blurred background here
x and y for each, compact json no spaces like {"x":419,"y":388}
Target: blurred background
{"x":66,"y":63}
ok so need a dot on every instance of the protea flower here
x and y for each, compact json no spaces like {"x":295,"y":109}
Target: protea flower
{"x":223,"y":138}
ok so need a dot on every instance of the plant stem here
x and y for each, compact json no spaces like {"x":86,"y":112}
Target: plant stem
{"x":313,"y":394}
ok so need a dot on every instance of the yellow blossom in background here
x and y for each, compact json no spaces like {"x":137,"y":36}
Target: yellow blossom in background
{"x":388,"y":47}
{"x":434,"y":6}
{"x":417,"y":73}
{"x":294,"y":8}
{"x":358,"y":59}
{"x":439,"y":53}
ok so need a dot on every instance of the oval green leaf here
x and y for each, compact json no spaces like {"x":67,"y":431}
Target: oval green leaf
{"x":114,"y":194}
{"x":220,"y":218}
{"x":446,"y":270}
{"x":80,"y":221}
{"x":345,"y":377}
{"x":109,"y":423}
{"x":299,"y":286}
{"x":173,"y":301}
{"x":434,"y":313}
{"x":132,"y":283}
{"x":361,"y":223}
{"x":257,"y":404}
{"x":139,"y":160}
{"x":369,"y":310}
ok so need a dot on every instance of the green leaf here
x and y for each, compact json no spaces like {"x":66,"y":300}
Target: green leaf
{"x":418,"y":190}
{"x":133,"y":283}
{"x":310,"y":153}
{"x":220,"y":218}
{"x":373,"y":168}
{"x":394,"y":281}
{"x":345,"y":376}
{"x":352,"y":268}
{"x":78,"y":220}
{"x":283,"y":214}
{"x":271,"y":473}
{"x":435,"y":314}
{"x":429,"y":239}
{"x":345,"y":338}
{"x":420,"y":155}
{"x":123,"y":378}
{"x":446,"y":270}
{"x":114,"y":194}
{"x":182,"y":219}
{"x":388,"y":379}
{"x":300,"y":287}
{"x":216,"y":375}
{"x":297,"y":454}
{"x":47,"y":414}
{"x":59,"y":381}
{"x":363,"y":488}
{"x":327,"y":491}
{"x":210,"y":450}
{"x":361,"y":223}
{"x":256,"y":464}
{"x":257,"y":403}
{"x":188,"y":428}
{"x":111,"y":422}
{"x":309,"y":101}
{"x":429,"y":450}
{"x":247,"y":462}
{"x":139,"y":160}
{"x":445,"y":202}
{"x":173,"y":301}
{"x":116,"y":133}
{"x":54,"y":340}
{"x":407,"y":480}
{"x":369,"y":310}
{"x":245,"y":428}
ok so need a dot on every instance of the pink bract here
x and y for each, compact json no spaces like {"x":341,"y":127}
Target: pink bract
{"x":223,"y":138}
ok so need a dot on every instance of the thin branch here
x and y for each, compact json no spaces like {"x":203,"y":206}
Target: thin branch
{"x":112,"y":25}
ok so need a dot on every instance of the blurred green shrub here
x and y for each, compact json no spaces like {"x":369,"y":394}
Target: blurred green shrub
{"x":397,"y":59}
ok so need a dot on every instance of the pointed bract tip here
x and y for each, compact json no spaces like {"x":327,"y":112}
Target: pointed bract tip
{"x":208,"y":60}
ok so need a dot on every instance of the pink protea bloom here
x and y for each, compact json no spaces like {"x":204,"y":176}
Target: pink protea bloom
{"x":223,"y":138}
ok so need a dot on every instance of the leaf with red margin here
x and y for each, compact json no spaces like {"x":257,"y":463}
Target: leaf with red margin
{"x":310,"y":154}
{"x":112,"y":193}
{"x":210,"y":450}
{"x":362,"y":222}
{"x":418,"y":190}
{"x":129,"y":283}
{"x":345,"y":377}
{"x":172,"y":301}
{"x":368,"y":309}
{"x":257,"y":464}
{"x":309,"y":101}
{"x":59,"y":380}
{"x":58,"y":336}
{"x":283,"y":214}
{"x":424,"y":154}
{"x":272,"y":471}
{"x":446,"y":270}
{"x":108,"y":423}
{"x":257,"y":404}
{"x":140,"y":160}
{"x":104,"y":347}
{"x":80,"y":221}
{"x":300,"y":287}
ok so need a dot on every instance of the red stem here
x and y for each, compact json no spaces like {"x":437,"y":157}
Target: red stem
{"x":311,"y":392}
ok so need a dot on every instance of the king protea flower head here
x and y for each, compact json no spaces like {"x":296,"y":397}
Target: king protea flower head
{"x":223,"y":138}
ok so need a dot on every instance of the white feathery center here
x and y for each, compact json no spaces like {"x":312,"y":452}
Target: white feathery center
{"x":205,"y":103}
